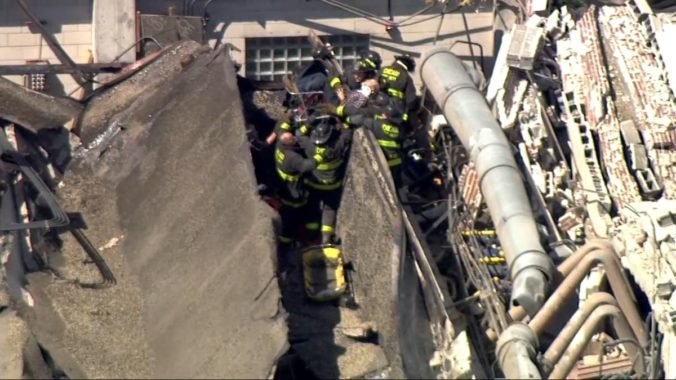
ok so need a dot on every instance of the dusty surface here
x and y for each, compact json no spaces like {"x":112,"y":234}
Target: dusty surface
{"x":105,"y":105}
{"x":171,"y":196}
{"x":34,"y":110}
{"x":370,"y":227}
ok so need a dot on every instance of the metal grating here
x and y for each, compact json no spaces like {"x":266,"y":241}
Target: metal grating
{"x":270,"y":58}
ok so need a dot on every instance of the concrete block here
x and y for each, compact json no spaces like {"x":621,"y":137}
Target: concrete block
{"x":70,"y":27}
{"x":23,"y":39}
{"x":57,"y":36}
{"x":3,"y":39}
{"x":14,"y":29}
{"x":84,"y":27}
{"x":19,"y":52}
{"x":76,"y":38}
{"x":48,"y":54}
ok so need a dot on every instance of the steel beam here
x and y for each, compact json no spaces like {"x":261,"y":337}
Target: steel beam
{"x":61,"y":54}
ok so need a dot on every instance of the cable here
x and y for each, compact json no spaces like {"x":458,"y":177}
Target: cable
{"x":378,"y":20}
{"x":441,"y":21}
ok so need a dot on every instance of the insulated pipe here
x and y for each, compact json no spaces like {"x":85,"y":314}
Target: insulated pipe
{"x":516,"y":351}
{"x":466,"y":110}
{"x":567,"y":334}
{"x":618,"y":283}
{"x":517,"y":313}
{"x":588,"y":329}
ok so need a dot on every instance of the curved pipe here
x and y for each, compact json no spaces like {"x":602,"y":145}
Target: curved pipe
{"x":517,"y":313}
{"x":516,"y":351}
{"x":588,"y":329}
{"x":618,"y":283}
{"x":465,"y":108}
{"x":567,"y":334}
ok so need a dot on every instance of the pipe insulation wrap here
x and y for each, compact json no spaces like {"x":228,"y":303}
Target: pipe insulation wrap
{"x":446,"y":78}
{"x":516,"y":350}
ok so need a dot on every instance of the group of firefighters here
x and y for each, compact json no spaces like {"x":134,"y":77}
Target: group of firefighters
{"x":311,"y":151}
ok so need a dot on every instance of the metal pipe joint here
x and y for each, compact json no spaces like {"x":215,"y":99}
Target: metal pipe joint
{"x":516,"y":351}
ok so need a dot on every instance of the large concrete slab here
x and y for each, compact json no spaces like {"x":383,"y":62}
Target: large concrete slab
{"x":197,"y":294}
{"x":371,"y":231}
{"x":385,"y":279}
{"x":34,"y":110}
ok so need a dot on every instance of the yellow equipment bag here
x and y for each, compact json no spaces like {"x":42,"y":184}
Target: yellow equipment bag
{"x":324,"y":273}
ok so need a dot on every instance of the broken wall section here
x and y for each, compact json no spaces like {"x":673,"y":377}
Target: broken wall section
{"x":171,"y":177}
{"x":370,"y":226}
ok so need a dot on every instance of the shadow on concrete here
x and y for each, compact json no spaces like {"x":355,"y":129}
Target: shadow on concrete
{"x":172,"y":194}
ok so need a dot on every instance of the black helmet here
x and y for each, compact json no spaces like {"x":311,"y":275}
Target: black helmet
{"x":371,"y":58}
{"x":361,"y":67}
{"x":394,"y":112}
{"x":322,"y":130}
{"x":407,"y":60}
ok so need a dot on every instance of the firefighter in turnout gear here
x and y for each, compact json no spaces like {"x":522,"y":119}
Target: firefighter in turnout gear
{"x":396,"y":81}
{"x":290,"y":166}
{"x":364,"y":70}
{"x":327,"y":145}
{"x":387,"y":127}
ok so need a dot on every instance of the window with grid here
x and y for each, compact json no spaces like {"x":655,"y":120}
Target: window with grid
{"x":270,"y":58}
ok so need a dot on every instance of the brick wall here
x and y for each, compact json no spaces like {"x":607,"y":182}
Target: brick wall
{"x":69,"y":21}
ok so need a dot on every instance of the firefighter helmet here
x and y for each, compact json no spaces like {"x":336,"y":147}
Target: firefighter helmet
{"x":371,"y":59}
{"x":407,"y":61}
{"x":322,"y":129}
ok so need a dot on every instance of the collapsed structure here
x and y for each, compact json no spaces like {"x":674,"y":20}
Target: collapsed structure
{"x":557,"y":216}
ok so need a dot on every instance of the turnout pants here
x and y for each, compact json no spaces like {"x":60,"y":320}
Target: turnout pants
{"x":328,"y":202}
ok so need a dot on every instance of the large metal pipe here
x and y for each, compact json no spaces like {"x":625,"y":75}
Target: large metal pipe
{"x":588,"y":329}
{"x":517,"y":313}
{"x":516,"y":350}
{"x":562,"y":341}
{"x":617,"y":281}
{"x":465,"y":108}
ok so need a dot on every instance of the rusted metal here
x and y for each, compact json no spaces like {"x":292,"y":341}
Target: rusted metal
{"x":609,"y":366}
{"x":584,"y":335}
{"x":517,"y":313}
{"x":61,"y":54}
{"x":556,"y":349}
{"x":617,"y":281}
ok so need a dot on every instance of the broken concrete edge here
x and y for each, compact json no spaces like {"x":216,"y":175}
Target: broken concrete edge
{"x":34,"y":110}
{"x":367,"y":168}
{"x":119,"y":93}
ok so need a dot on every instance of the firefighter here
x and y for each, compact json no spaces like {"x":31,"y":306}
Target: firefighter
{"x":388,"y":129}
{"x":364,"y":71}
{"x":397,"y":82}
{"x":374,"y":106}
{"x":327,"y":145}
{"x":290,"y":166}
